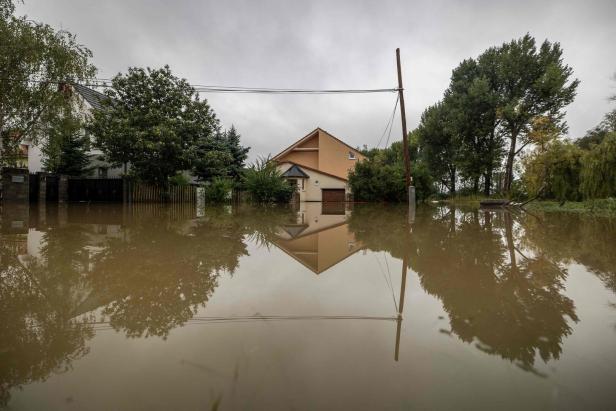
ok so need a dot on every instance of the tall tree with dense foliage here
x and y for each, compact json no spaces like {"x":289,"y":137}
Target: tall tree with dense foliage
{"x":34,"y":59}
{"x":440,"y":146}
{"x":65,"y":151}
{"x":531,"y":82}
{"x":155,"y":121}
{"x":239,"y":153}
{"x":472,"y":102}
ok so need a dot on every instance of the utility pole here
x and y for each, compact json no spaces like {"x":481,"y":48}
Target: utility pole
{"x":405,"y":138}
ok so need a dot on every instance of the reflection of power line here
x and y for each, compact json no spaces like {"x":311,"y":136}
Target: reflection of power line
{"x":250,"y":318}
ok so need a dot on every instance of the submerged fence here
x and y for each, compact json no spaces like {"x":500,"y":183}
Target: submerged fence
{"x":137,"y":192}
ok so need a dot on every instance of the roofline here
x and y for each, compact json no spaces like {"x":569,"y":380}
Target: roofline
{"x":301,"y":140}
{"x":312,"y":169}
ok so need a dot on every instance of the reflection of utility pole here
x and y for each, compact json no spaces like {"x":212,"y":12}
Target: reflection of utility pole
{"x":400,"y":307}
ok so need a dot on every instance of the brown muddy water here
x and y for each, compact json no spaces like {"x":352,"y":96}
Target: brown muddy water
{"x":234,"y":308}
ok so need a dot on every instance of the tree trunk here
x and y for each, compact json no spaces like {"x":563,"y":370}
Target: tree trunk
{"x":488,"y":181}
{"x":452,"y":182}
{"x":475,"y":184}
{"x":509,"y":165}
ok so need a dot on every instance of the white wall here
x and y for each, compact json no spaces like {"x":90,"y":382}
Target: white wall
{"x":315,"y":183}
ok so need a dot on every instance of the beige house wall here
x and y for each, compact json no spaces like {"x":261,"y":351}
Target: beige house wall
{"x":315,"y":183}
{"x":303,"y":158}
{"x":334,"y":156}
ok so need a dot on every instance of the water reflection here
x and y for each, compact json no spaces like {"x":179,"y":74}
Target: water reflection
{"x":68,"y":272}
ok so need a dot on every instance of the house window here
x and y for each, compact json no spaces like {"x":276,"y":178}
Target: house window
{"x":102,"y":172}
{"x":351,"y":155}
{"x":303,"y":184}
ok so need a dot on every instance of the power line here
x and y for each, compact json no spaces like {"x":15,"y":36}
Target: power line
{"x":262,"y":90}
{"x":389,"y":124}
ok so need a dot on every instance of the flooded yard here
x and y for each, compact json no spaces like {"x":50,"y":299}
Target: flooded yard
{"x":321,"y":307}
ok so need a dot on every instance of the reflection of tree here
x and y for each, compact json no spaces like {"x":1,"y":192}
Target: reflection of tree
{"x":157,"y":276}
{"x":568,"y":237}
{"x":37,"y":335}
{"x":509,"y":303}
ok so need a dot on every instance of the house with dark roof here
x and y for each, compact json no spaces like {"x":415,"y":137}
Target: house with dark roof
{"x":85,"y":100}
{"x":319,"y":165}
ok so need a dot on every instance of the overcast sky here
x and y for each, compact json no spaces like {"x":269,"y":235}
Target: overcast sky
{"x":333,"y":44}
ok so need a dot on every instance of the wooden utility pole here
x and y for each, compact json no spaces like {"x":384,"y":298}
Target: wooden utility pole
{"x":405,"y":138}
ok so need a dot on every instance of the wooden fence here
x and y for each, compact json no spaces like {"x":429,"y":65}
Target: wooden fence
{"x":96,"y":190}
{"x":148,"y":193}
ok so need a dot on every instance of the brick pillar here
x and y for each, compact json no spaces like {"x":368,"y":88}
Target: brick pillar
{"x":42,"y":187}
{"x":63,"y":189}
{"x":15,"y":184}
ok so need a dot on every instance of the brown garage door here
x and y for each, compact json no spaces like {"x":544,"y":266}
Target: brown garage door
{"x":331,"y":195}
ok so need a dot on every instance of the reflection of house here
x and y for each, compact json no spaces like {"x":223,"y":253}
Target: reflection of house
{"x":85,"y":100}
{"x":318,"y":239}
{"x":319,"y":164}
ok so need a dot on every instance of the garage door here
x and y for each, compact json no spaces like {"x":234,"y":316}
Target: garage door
{"x":331,"y":195}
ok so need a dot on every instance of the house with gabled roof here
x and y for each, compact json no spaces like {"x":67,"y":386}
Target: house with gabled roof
{"x":319,"y":163}
{"x":85,"y":100}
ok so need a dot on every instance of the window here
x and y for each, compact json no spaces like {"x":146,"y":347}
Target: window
{"x":351,"y":155}
{"x":303,"y":184}
{"x":102,"y":172}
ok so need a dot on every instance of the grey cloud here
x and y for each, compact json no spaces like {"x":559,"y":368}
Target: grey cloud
{"x":327,"y":44}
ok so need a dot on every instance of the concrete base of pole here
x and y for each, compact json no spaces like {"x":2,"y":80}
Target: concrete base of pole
{"x":412,"y":204}
{"x":412,"y":195}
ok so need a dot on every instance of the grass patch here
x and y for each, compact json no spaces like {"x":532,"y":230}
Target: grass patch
{"x":603,"y":207}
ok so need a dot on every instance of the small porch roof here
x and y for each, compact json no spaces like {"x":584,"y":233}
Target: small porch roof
{"x":295,"y":172}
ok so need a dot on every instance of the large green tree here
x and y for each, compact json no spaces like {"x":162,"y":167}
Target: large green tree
{"x":34,"y":59}
{"x":440,"y":145}
{"x":155,"y":121}
{"x":531,"y":82}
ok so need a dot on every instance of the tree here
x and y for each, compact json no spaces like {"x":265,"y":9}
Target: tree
{"x":213,"y":158}
{"x":599,"y":172}
{"x":65,"y":150}
{"x":381,"y":177}
{"x":472,"y":103}
{"x":154,"y":121}
{"x":440,"y":147}
{"x":239,"y":153}
{"x":531,"y":83}
{"x":35,"y":58}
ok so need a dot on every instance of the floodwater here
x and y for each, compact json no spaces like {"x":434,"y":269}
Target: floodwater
{"x":158,"y":308}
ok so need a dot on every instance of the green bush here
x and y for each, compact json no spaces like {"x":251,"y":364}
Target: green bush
{"x":381,"y":178}
{"x":265,"y":183}
{"x":179,"y":180}
{"x":218,"y":190}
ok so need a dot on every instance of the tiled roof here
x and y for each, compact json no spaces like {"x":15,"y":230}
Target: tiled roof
{"x":93,"y":97}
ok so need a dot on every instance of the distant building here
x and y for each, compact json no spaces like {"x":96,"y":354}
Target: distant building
{"x":319,"y":164}
{"x":85,"y":100}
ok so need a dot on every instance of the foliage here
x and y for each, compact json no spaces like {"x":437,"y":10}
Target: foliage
{"x":554,"y":171}
{"x":179,"y":180}
{"x":65,"y":149}
{"x":598,"y":133}
{"x":239,"y":154}
{"x":439,"y":145}
{"x":34,"y":60}
{"x":381,"y":177}
{"x":154,"y":121}
{"x":599,"y":172}
{"x":265,"y":184}
{"x":213,"y":158}
{"x":218,"y":190}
